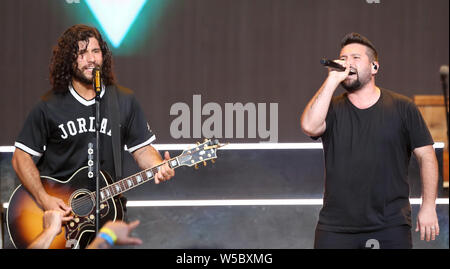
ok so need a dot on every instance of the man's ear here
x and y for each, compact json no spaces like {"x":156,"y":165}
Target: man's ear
{"x":375,"y":67}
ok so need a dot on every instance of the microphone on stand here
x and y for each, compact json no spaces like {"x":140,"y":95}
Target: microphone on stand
{"x":444,"y":75}
{"x":444,"y":72}
{"x":97,"y":81}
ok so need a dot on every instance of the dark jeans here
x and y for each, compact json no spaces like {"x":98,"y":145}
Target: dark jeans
{"x":398,"y":237}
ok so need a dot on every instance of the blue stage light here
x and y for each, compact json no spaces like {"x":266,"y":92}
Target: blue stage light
{"x":116,"y":16}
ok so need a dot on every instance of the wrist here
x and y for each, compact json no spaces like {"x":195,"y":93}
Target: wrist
{"x":332,"y":82}
{"x":42,"y":198}
{"x":428,"y":203}
{"x":109,"y":235}
{"x":106,"y":238}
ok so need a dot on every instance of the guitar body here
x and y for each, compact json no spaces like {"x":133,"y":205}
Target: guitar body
{"x":25,"y":216}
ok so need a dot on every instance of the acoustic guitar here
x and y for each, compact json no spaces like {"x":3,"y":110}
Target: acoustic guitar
{"x":25,"y":215}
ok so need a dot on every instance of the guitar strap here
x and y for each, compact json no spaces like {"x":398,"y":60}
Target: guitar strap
{"x":114,"y":113}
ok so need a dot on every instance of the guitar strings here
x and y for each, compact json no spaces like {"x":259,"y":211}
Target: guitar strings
{"x":84,"y":200}
{"x":81,"y":202}
{"x":91,"y":196}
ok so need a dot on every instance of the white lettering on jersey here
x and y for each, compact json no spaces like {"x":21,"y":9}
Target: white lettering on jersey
{"x":91,"y":124}
{"x":64,"y":135}
{"x":81,"y":126}
{"x":72,"y":128}
{"x":103,"y":126}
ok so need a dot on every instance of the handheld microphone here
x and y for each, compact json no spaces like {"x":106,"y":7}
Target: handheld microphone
{"x":97,"y":80}
{"x":332,"y":64}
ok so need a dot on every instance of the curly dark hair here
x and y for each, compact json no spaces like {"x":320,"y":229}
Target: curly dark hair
{"x":63,"y":63}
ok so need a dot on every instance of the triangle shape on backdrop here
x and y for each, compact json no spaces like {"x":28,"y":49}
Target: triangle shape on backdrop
{"x":116,"y":16}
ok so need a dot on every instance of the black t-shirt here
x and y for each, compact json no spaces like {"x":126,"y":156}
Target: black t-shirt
{"x":367,"y":154}
{"x":60,"y":127}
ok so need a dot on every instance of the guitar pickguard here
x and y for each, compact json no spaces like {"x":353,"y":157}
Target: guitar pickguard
{"x":85,"y":224}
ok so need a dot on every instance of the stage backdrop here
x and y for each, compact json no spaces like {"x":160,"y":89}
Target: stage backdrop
{"x":203,"y":58}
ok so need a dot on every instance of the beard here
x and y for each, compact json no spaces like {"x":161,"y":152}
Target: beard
{"x":81,"y":77}
{"x":352,"y":86}
{"x":362,"y":78}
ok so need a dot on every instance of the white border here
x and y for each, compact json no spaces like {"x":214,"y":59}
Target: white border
{"x":244,"y":202}
{"x":7,"y":148}
{"x":234,"y":146}
{"x":251,"y":146}
{"x":243,"y":146}
{"x":248,"y":202}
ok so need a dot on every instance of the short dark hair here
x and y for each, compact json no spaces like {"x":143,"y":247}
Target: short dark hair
{"x":351,"y":38}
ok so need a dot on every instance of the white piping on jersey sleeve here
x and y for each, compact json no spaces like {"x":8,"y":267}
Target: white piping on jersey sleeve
{"x":148,"y":142}
{"x":27,"y":149}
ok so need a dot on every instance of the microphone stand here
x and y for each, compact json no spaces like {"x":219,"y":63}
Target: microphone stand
{"x":97,"y":88}
{"x":444,"y":89}
{"x":97,"y":161}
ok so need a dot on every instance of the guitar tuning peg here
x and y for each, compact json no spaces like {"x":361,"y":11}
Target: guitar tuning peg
{"x":196,"y":166}
{"x":213,"y":161}
{"x":204,"y":163}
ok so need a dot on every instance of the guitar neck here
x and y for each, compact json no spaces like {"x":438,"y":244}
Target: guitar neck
{"x":133,"y":181}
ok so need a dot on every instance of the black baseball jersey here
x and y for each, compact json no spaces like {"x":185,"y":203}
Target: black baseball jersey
{"x":60,"y":127}
{"x":367,"y":154}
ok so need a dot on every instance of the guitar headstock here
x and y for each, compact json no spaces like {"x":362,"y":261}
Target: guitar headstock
{"x":200,"y":153}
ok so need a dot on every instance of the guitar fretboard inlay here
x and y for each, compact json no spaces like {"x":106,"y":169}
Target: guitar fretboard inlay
{"x":189,"y":158}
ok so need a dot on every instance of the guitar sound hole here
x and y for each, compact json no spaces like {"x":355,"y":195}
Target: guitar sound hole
{"x":82,"y":203}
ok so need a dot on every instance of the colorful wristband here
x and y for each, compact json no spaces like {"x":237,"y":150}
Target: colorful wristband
{"x":110,"y":233}
{"x":107,"y":238}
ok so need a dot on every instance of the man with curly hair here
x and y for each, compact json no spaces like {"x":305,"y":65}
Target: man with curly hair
{"x":61,"y":125}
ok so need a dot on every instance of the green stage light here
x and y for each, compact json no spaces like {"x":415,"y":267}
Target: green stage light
{"x":116,"y":16}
